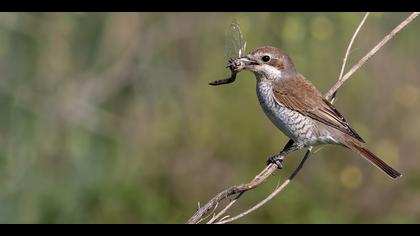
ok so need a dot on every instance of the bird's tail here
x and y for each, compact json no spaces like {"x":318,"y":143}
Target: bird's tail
{"x":372,"y":158}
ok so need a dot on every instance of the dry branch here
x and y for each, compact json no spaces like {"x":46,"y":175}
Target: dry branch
{"x":271,"y":168}
{"x":259,"y":179}
{"x":273,"y":194}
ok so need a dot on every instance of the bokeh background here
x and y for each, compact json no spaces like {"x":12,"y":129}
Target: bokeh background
{"x":109,"y":118}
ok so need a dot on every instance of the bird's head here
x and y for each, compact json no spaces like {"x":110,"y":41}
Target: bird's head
{"x":267,"y":63}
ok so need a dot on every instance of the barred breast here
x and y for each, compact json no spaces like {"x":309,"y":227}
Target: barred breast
{"x":296,"y":126}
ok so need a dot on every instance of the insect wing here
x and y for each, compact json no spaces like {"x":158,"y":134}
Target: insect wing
{"x":235,"y":43}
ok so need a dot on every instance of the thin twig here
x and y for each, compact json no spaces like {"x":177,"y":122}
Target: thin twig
{"x":273,"y":194}
{"x":212,"y":212}
{"x":370,"y":54}
{"x":343,"y":66}
{"x":214,"y":218}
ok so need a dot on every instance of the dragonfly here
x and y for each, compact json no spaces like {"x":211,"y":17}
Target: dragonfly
{"x":234,"y":48}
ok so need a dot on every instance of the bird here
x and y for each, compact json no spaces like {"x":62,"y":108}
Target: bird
{"x":296,"y":107}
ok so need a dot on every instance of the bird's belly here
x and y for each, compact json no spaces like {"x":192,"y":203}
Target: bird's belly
{"x":295,"y":125}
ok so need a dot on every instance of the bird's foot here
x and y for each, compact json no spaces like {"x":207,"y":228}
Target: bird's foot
{"x":279,"y":158}
{"x":276,"y":159}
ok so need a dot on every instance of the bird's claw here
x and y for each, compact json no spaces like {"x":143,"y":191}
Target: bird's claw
{"x":277,"y":159}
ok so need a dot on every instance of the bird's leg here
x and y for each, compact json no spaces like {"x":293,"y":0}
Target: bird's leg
{"x":291,"y":146}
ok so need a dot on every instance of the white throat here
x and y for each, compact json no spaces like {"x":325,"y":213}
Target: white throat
{"x":268,"y":72}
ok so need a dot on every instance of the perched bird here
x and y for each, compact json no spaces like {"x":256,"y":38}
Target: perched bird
{"x":298,"y":109}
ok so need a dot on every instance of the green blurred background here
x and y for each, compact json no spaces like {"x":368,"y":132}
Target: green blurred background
{"x":109,"y":118}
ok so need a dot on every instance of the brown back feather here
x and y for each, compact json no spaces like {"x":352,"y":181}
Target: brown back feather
{"x":300,"y":95}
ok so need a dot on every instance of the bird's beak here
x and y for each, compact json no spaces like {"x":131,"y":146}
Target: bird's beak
{"x":248,"y":61}
{"x":241,"y":63}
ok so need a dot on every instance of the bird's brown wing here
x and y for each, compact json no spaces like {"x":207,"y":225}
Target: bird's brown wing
{"x":300,"y":95}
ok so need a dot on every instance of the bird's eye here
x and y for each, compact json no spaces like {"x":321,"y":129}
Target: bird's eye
{"x":265,"y":58}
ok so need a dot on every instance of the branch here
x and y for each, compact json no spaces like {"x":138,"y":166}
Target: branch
{"x":223,"y":211}
{"x":273,"y":194}
{"x":259,"y":179}
{"x":270,"y":169}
